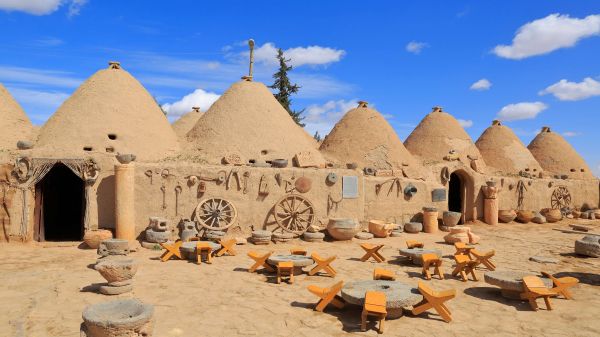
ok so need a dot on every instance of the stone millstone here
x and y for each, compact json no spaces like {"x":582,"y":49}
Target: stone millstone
{"x":110,"y":290}
{"x":122,"y":317}
{"x":413,"y":227}
{"x":156,"y":236}
{"x":257,"y":241}
{"x":214,"y":235}
{"x":262,"y":234}
{"x":313,"y":237}
{"x":282,"y":237}
{"x":151,"y":245}
{"x":364,"y":236}
{"x":396,"y":234}
{"x":589,"y":245}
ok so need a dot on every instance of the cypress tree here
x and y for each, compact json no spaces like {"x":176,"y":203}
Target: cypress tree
{"x":285,"y":88}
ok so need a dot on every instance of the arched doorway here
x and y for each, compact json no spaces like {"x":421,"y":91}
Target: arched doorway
{"x":456,"y":194}
{"x":59,"y":206}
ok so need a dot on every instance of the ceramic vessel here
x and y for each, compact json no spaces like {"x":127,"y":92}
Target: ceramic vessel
{"x":506,"y":215}
{"x":525,"y":216}
{"x":343,"y":229}
{"x":451,"y":219}
{"x":381,"y":229}
{"x":93,"y":237}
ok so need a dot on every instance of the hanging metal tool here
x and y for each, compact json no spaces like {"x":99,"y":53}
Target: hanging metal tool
{"x":178,"y":190}
{"x":521,"y":194}
{"x":245,"y":179}
{"x":263,"y":186}
{"x":164,"y":192}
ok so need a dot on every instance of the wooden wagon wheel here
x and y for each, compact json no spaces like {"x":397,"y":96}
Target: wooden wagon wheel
{"x":216,"y":214}
{"x":561,"y":198}
{"x":294,"y":213}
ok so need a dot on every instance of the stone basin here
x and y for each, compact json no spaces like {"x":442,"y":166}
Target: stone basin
{"x":510,"y":282}
{"x":416,"y":254}
{"x":117,"y":270}
{"x":343,"y":229}
{"x":118,"y":318}
{"x":113,"y":247}
{"x":398,"y":295}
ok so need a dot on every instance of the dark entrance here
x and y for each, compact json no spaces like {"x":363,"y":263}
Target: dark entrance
{"x":59,"y":206}
{"x":455,"y":193}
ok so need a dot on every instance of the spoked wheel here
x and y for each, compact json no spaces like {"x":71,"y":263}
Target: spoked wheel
{"x":294,"y":213}
{"x":216,"y":214}
{"x":561,"y":197}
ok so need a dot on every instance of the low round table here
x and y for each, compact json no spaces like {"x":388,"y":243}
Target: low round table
{"x":300,"y":261}
{"x":188,"y":249}
{"x":416,"y":254}
{"x":510,"y":282}
{"x":398,"y":295}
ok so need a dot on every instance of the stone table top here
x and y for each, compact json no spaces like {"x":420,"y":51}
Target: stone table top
{"x":190,"y":246}
{"x":298,"y":260}
{"x":415,"y":254}
{"x":397,"y":294}
{"x":510,"y":280}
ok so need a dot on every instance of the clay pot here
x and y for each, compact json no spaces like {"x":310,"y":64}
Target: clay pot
{"x":343,"y":229}
{"x":553,"y":215}
{"x":413,"y":227}
{"x":451,"y":219}
{"x":92,"y":238}
{"x":506,"y":215}
{"x":125,"y":158}
{"x":458,"y":234}
{"x":576,"y":214}
{"x":119,"y":318}
{"x":525,"y":216}
{"x":381,"y":229}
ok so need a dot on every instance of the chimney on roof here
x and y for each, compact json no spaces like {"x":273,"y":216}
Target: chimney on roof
{"x":196,"y":108}
{"x":362,"y":104}
{"x":114,"y":65}
{"x":437,"y":108}
{"x":546,"y":129}
{"x":496,"y":122}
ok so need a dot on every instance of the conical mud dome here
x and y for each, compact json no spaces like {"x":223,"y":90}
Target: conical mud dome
{"x":557,"y":156}
{"x":186,"y":122}
{"x":110,"y":112}
{"x":364,"y":137}
{"x":504,"y":152}
{"x":248,"y":121}
{"x":437,"y":135}
{"x":14,"y":124}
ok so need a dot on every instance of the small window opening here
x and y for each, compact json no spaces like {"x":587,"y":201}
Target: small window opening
{"x":110,"y":149}
{"x":112,"y":136}
{"x":87,"y":148}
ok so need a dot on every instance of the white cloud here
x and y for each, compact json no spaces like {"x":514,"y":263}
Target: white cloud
{"x":548,"y":34}
{"x":523,"y":110}
{"x":323,"y":117}
{"x":48,"y":42}
{"x":573,"y":91}
{"x":571,"y":134}
{"x":299,"y":56}
{"x":199,"y":97}
{"x":416,"y":47}
{"x":38,"y":76}
{"x":41,"y":7}
{"x":481,"y":85}
{"x":465,"y":123}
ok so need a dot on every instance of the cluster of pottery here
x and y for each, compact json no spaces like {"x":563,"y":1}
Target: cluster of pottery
{"x":589,"y":245}
{"x":158,"y":230}
{"x":461,"y":234}
{"x":590,"y":214}
{"x":92,"y":238}
{"x":525,"y":216}
{"x":118,"y":318}
{"x":343,"y":229}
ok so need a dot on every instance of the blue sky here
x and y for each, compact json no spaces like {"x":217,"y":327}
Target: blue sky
{"x":535,"y":62}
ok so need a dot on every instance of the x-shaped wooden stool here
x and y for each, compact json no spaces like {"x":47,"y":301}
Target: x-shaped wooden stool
{"x":171,"y":249}
{"x":260,"y":261}
{"x":372,"y":251}
{"x":562,"y":284}
{"x":465,"y":266}
{"x":328,"y":296}
{"x":434,"y":299}
{"x":432,"y":260}
{"x":414,"y":244}
{"x":484,"y":258}
{"x":227,"y":246}
{"x":322,"y":264}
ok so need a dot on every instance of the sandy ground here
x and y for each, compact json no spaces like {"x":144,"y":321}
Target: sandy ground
{"x":44,"y":291}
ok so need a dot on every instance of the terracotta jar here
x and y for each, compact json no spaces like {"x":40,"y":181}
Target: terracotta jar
{"x":430,"y":220}
{"x":553,"y":215}
{"x":525,"y":216}
{"x":506,"y":215}
{"x":343,"y":229}
{"x":381,"y":229}
{"x":93,"y":237}
{"x":458,"y":234}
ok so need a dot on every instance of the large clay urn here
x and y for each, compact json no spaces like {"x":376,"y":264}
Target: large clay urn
{"x":525,"y":216}
{"x":343,"y":229}
{"x":117,"y":270}
{"x":458,"y":234}
{"x":506,"y":215}
{"x":381,"y":229}
{"x":553,"y":215}
{"x":119,"y":318}
{"x":92,"y":238}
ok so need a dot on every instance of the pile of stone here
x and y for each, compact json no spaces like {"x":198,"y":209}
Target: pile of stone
{"x":397,"y":232}
{"x":261,"y":237}
{"x":187,"y":230}
{"x":157,"y":231}
{"x":590,"y":214}
{"x":214,"y":236}
{"x":313,"y":234}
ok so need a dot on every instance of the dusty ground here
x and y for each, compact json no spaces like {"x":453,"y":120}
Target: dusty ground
{"x":44,"y":291}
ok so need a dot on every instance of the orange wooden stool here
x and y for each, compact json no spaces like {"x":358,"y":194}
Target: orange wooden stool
{"x":328,"y":296}
{"x":285,"y":269}
{"x":383,"y":274}
{"x":432,"y":260}
{"x":260,"y":261}
{"x":372,"y":251}
{"x":375,"y":305}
